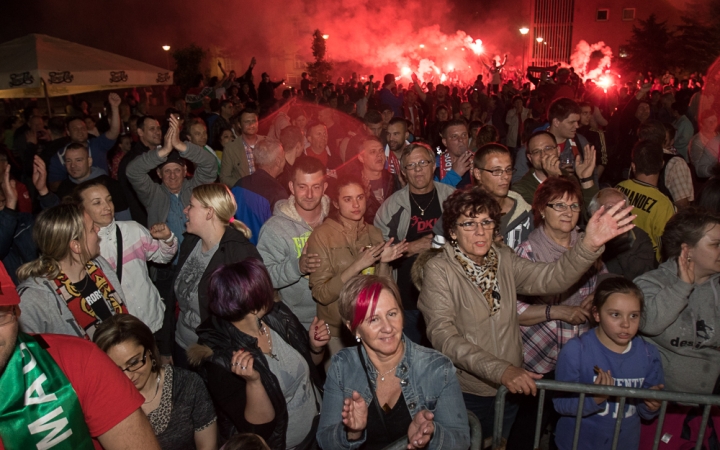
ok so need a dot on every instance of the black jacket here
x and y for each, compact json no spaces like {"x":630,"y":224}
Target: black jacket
{"x":233,"y":247}
{"x":217,"y":340}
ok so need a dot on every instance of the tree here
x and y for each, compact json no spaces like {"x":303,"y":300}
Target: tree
{"x":698,"y":42}
{"x":189,"y":61}
{"x":647,"y":47}
{"x":320,"y":69}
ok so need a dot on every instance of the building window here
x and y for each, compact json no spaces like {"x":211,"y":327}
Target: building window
{"x":628,"y":14}
{"x":602,"y":15}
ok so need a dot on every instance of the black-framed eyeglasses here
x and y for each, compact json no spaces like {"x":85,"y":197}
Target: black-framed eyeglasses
{"x":137,"y":365}
{"x":562,"y":207}
{"x":499,"y":172}
{"x":420,"y":164}
{"x":487,"y":224}
{"x":545,"y":150}
{"x":7,"y":316}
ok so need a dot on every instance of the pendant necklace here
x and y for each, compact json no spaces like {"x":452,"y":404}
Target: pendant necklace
{"x":382,"y":375}
{"x":422,"y":210}
{"x":157,"y":388}
{"x":263,"y":330}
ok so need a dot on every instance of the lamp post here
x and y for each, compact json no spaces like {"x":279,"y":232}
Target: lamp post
{"x":524,"y":31}
{"x":166,"y":48}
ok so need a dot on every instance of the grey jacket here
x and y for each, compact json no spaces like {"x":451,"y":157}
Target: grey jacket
{"x":393,"y":217}
{"x":44,"y":311}
{"x":280,"y":243}
{"x":154,"y":196}
{"x":683,"y":321}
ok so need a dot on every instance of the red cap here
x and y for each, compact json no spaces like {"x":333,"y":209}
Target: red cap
{"x":8,"y":294}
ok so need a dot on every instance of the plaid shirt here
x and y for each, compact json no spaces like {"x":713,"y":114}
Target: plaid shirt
{"x":678,"y":179}
{"x":250,"y":157}
{"x":543,"y":342}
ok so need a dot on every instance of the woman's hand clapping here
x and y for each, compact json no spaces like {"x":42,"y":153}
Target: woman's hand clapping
{"x":354,"y":415}
{"x":319,"y":334}
{"x":421,"y":430}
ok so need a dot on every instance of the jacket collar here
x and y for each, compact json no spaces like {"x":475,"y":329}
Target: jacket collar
{"x":108,"y":231}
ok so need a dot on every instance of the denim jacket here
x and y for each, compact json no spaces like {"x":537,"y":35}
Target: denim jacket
{"x":428,"y":381}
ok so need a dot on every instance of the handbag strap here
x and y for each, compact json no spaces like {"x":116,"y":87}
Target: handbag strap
{"x":118,"y":238}
{"x":379,"y":410}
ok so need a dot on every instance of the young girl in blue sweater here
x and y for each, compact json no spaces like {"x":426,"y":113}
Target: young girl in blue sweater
{"x":611,"y":355}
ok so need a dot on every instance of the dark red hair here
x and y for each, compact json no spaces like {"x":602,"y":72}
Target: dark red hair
{"x":367,"y":299}
{"x":551,"y":189}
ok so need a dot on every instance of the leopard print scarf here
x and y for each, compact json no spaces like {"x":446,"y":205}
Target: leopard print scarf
{"x":483,"y":276}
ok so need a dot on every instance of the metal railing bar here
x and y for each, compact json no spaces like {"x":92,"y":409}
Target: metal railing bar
{"x":701,"y":433}
{"x":618,"y":422}
{"x":661,"y":421}
{"x":538,"y":422}
{"x":578,"y":421}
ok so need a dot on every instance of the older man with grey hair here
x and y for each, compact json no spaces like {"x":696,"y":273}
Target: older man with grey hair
{"x":630,"y":254}
{"x":269,"y":164}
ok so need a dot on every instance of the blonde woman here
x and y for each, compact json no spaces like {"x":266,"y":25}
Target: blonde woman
{"x":213,"y":239}
{"x":70,"y":288}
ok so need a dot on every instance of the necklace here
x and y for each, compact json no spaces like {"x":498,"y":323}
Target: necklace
{"x":422,"y":210}
{"x":263,"y":330}
{"x":382,"y":375}
{"x":157,"y":388}
{"x":85,"y":279}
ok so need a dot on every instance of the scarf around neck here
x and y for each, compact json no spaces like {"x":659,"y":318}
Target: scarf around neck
{"x":483,"y":276}
{"x":39,"y":407}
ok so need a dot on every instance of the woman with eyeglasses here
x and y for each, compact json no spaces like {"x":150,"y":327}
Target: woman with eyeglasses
{"x":176,"y":401}
{"x":469,"y":292}
{"x":548,"y":322}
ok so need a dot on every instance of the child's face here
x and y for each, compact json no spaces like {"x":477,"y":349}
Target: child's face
{"x":619,"y":319}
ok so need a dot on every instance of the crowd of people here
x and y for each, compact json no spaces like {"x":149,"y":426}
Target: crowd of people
{"x":359,"y":262}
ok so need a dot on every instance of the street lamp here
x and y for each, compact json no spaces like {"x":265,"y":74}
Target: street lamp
{"x":539,"y":40}
{"x":167,"y":56}
{"x":326,"y":36}
{"x":524,"y":31}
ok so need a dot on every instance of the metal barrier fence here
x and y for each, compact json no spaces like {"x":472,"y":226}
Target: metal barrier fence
{"x":621,"y":393}
{"x":475,"y":436}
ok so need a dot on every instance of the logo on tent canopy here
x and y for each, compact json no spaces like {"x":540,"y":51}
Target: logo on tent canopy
{"x":60,"y":77}
{"x":162,"y":77}
{"x":118,"y":77}
{"x":18,"y":79}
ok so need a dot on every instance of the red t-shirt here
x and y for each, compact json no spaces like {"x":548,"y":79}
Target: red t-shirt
{"x":322,"y":156}
{"x":107,"y":396}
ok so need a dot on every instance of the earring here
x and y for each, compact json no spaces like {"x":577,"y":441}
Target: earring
{"x":154,"y":363}
{"x":542,"y":216}
{"x":357,"y":338}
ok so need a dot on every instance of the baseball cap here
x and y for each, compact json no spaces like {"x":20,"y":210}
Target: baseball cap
{"x":8,"y":294}
{"x":173,"y":157}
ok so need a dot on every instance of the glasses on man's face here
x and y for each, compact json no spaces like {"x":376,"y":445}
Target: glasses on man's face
{"x":471,"y":225}
{"x":545,"y":150}
{"x":7,"y":316}
{"x":562,"y":207}
{"x":459,"y":137}
{"x":499,"y":172}
{"x":417,"y":165}
{"x":136,"y":365}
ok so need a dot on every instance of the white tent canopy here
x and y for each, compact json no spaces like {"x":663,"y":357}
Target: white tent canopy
{"x":68,"y":68}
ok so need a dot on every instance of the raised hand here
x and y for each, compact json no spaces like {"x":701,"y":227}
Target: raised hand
{"x":520,"y":381}
{"x":319,"y":334}
{"x":585,"y":166}
{"x":551,"y":165}
{"x":308,"y":262}
{"x":242,"y":365}
{"x":686,"y":266}
{"x":354,"y":415}
{"x":177,"y":144}
{"x":654,"y":405}
{"x":421,"y":429}
{"x":603,"y":379}
{"x":114,"y":100}
{"x":8,"y":188}
{"x":392,"y":252}
{"x":605,"y":225}
{"x":369,"y":256}
{"x":39,"y":175}
{"x":160,"y":231}
{"x":463,"y":163}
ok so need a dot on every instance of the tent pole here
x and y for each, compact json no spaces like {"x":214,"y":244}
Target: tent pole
{"x":47,"y":97}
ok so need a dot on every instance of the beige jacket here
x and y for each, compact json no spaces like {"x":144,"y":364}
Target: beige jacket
{"x":234,"y":164}
{"x":458,"y":317}
{"x":337,"y":246}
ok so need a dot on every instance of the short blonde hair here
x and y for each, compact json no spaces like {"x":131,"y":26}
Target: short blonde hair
{"x":218,"y":197}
